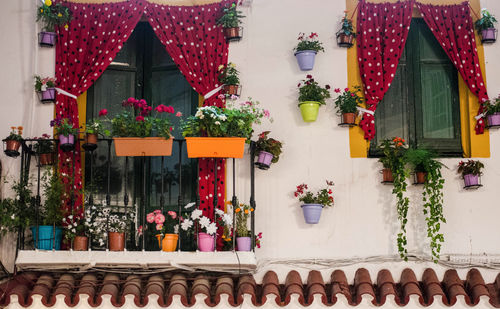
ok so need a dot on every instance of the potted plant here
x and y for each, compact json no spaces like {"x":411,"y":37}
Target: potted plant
{"x":208,"y":229}
{"x":313,"y":204}
{"x":243,"y":235}
{"x":92,"y":130}
{"x":346,"y":34}
{"x":50,"y":231}
{"x":269,"y":150}
{"x":66,"y":132}
{"x":306,"y":50}
{"x":311,"y":96}
{"x":45,"y":88}
{"x":230,"y":21}
{"x":118,"y":224}
{"x":17,"y":213}
{"x":51,"y":15}
{"x":470,"y":170}
{"x":76,"y":231}
{"x":485,"y":25}
{"x":347,"y":103}
{"x":423,"y":163}
{"x":228,"y":76}
{"x":167,"y":228}
{"x":96,"y":222}
{"x":221,"y":132}
{"x":393,"y":157}
{"x":493,"y":112}
{"x":44,"y":147}
{"x":133,"y":129}
{"x":13,"y":141}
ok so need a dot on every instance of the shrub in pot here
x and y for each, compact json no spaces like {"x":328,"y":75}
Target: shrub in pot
{"x":45,"y":88}
{"x":66,"y":132}
{"x":313,"y":203}
{"x":93,"y":129}
{"x":393,"y":158}
{"x":243,"y":235}
{"x":486,"y":27}
{"x":51,"y":15}
{"x":470,"y":170}
{"x":311,"y":97}
{"x":347,"y":103}
{"x":306,"y":50}
{"x":268,"y":150}
{"x":13,"y":141}
{"x":228,"y":76}
{"x":118,"y":224}
{"x":423,"y":163}
{"x":77,"y":231}
{"x":166,"y":227}
{"x":230,"y":21}
{"x":493,"y":112}
{"x":346,"y":34}
{"x":44,"y":148}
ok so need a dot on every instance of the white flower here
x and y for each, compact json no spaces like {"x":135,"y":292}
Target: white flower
{"x":204,"y":221}
{"x":223,"y":117}
{"x":176,"y":229}
{"x":70,"y":217}
{"x":186,"y":225}
{"x":196,"y":214}
{"x":228,"y":220}
{"x":75,"y":224}
{"x":211,"y":228}
{"x":189,"y":205}
{"x":13,"y":216}
{"x":217,"y":123}
{"x":219,"y":212}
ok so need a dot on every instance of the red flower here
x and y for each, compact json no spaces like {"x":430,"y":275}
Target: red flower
{"x":327,"y":86}
{"x":298,"y":85}
{"x":346,"y":89}
{"x":313,"y":34}
{"x":337,"y":90}
{"x":309,"y":76}
{"x":159,"y":108}
{"x":103,"y":112}
{"x":139,"y":118}
{"x":330,"y":191}
{"x":353,"y":94}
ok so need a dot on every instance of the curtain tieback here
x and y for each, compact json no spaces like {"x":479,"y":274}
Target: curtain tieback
{"x":364,"y":110}
{"x":66,"y":93}
{"x":480,"y":116}
{"x":212,"y":92}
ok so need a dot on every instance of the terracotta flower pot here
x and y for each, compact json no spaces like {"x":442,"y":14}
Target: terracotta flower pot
{"x":231,"y":89}
{"x":80,"y":243}
{"x":344,"y":40}
{"x":421,"y":177}
{"x":167,"y":243}
{"x":12,"y":145}
{"x":116,"y":241}
{"x":215,"y":147}
{"x":387,"y":175}
{"x":47,"y":158}
{"x":90,"y":138}
{"x":232,"y":33}
{"x":349,"y":118}
{"x":142,"y":146}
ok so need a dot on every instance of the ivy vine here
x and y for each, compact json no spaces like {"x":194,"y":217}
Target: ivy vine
{"x":402,"y":203}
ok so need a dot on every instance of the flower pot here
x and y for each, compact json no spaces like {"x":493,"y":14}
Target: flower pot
{"x":46,"y":96}
{"x":90,"y":138}
{"x":309,"y":110}
{"x":231,"y":89}
{"x":232,"y":33}
{"x":348,"y":118}
{"x":264,"y":160}
{"x":312,"y":212}
{"x":206,"y":242}
{"x":387,"y":175}
{"x":421,"y":177}
{"x":80,"y":243}
{"x":12,"y":148}
{"x":488,"y":35}
{"x":143,"y":146}
{"x":305,"y":58}
{"x":47,"y":158}
{"x":46,"y":237}
{"x":215,"y":147}
{"x":471,"y":180}
{"x":344,"y":40}
{"x":67,"y":143}
{"x":116,"y":241}
{"x":47,"y":39}
{"x":167,"y":243}
{"x":244,"y":243}
{"x":494,"y":120}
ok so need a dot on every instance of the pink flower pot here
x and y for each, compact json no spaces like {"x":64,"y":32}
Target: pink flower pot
{"x":48,"y":95}
{"x":264,"y":160}
{"x":471,"y":180}
{"x":244,"y":243}
{"x":206,"y":242}
{"x":67,"y":143}
{"x":488,"y":35}
{"x":47,"y":39}
{"x":494,"y":120}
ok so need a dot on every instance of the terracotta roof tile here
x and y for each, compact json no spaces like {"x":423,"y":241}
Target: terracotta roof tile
{"x":99,"y":287}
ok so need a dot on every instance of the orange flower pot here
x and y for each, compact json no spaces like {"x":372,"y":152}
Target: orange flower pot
{"x":80,"y":243}
{"x":349,"y":118}
{"x":421,"y":177}
{"x":232,"y":33}
{"x":231,"y":89}
{"x":142,"y":146}
{"x":12,"y":145}
{"x":90,"y":138}
{"x":168,"y":243}
{"x":387,"y":175}
{"x":215,"y":147}
{"x":116,"y":241}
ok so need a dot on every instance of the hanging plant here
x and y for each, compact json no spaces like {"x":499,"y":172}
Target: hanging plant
{"x":230,"y":21}
{"x":51,"y":15}
{"x":346,"y":34}
{"x":486,"y":26}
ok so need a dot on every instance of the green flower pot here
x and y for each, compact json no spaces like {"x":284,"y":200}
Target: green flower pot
{"x":309,"y":110}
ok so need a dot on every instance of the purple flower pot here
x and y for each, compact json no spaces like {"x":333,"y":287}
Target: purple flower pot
{"x":471,"y":180}
{"x":206,"y":242}
{"x":305,"y":58}
{"x":48,"y":95}
{"x":494,"y":120}
{"x":312,"y":212}
{"x":244,"y":243}
{"x":67,"y":143}
{"x":264,"y":160}
{"x":488,"y":35}
{"x":47,"y":39}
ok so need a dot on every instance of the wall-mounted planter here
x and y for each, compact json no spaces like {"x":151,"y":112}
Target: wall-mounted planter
{"x":67,"y":143}
{"x":489,"y":35}
{"x":420,"y":177}
{"x":233,"y":34}
{"x":142,"y":146}
{"x":344,"y":40}
{"x":264,"y":160}
{"x":312,"y":212}
{"x":387,"y":176}
{"x":215,"y":147}
{"x":305,"y":59}
{"x":47,"y":158}
{"x":471,"y":180}
{"x":47,"y":96}
{"x":231,"y":89}
{"x":493,"y":120}
{"x":47,"y":39}
{"x":349,"y":118}
{"x":309,"y":110}
{"x":12,"y":148}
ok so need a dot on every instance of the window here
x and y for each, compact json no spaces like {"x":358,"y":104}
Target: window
{"x":422,"y":105}
{"x":142,"y":69}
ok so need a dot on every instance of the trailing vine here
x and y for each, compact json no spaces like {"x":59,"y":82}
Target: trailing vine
{"x":402,"y":204}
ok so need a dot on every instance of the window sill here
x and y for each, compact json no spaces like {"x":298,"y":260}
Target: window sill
{"x":82,"y":260}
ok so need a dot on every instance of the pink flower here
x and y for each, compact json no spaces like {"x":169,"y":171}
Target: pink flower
{"x":131,"y":100}
{"x":159,"y":227}
{"x":234,"y":97}
{"x":353,"y":94}
{"x":221,"y":96}
{"x":143,"y":103}
{"x":139,"y":118}
{"x":337,"y":90}
{"x":157,"y":211}
{"x":170,"y":109}
{"x":150,"y":217}
{"x":159,"y":108}
{"x":159,"y":219}
{"x":172,"y":214}
{"x":266,"y":113}
{"x":313,"y":34}
{"x":139,"y":230}
{"x":103,"y":112}
{"x":179,"y":114}
{"x":346,"y":89}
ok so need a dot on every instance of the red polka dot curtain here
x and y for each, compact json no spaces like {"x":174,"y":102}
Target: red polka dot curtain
{"x":453,"y":28}
{"x":382,"y":32}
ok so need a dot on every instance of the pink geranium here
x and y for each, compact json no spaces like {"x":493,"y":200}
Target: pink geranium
{"x":172,"y":214}
{"x":159,"y":227}
{"x":159,"y":219}
{"x":150,"y":217}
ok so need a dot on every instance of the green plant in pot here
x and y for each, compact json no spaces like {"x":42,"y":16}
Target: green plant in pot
{"x":347,"y":104}
{"x":45,"y":88}
{"x":17,"y":213}
{"x":13,"y":141}
{"x":51,"y":15}
{"x":231,"y":21}
{"x":268,"y":149}
{"x":94,"y":128}
{"x":229,"y":77}
{"x":471,"y":171}
{"x":306,"y":50}
{"x":66,"y":132}
{"x":492,"y":111}
{"x":313,"y":203}
{"x":311,"y":97}
{"x":45,"y":149}
{"x":243,"y":235}
{"x":486,"y":26}
{"x":346,"y":34}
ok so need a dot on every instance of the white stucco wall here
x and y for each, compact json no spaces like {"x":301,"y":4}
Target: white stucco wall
{"x":363,"y":222}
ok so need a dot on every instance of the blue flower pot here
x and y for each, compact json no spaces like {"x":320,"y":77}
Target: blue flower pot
{"x":305,"y":58}
{"x":312,"y":212}
{"x":46,"y":237}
